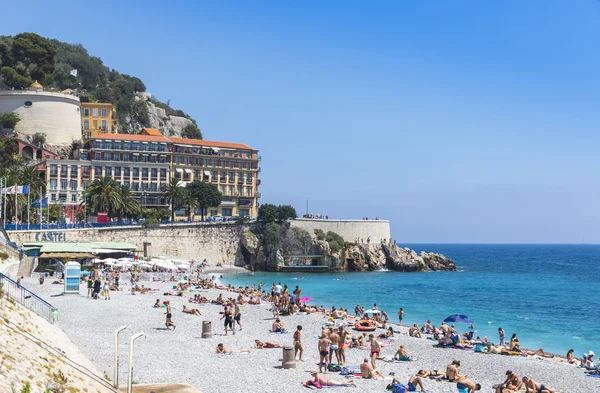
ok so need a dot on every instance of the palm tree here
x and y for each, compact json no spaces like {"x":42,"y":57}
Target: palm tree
{"x":127,"y":204}
{"x":103,"y":195}
{"x":189,"y":202}
{"x":30,"y":176}
{"x":173,"y":193}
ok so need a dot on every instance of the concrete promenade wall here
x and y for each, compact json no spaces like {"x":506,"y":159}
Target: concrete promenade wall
{"x":215,"y":242}
{"x":348,"y":229}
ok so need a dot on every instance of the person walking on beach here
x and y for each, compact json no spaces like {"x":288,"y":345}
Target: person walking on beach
{"x":298,"y":343}
{"x":375,"y":349}
{"x":323,"y":346}
{"x":228,"y":320}
{"x":168,"y":322}
{"x":90,"y":286}
{"x":501,"y":335}
{"x":400,"y":316}
{"x":238,"y":316}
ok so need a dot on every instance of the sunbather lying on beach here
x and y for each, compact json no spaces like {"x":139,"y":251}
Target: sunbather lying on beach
{"x":193,"y":311}
{"x":430,"y":373}
{"x":413,"y":382}
{"x":367,"y":371}
{"x":330,"y":382}
{"x":464,"y":383}
{"x":261,"y":345}
{"x":534,"y":387}
{"x":222,"y":350}
{"x":539,"y":352}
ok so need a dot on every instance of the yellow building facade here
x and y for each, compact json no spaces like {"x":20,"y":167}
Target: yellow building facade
{"x":98,"y":118}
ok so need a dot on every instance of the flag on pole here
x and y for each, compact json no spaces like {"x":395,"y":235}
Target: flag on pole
{"x":43,"y":203}
{"x":74,"y":73}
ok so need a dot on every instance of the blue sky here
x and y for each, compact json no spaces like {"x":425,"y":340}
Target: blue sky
{"x":461,"y":121}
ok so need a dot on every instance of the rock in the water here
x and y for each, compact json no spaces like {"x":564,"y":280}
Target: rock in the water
{"x":437,"y":262}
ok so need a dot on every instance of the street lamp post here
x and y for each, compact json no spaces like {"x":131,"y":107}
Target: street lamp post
{"x":130,"y":372}
{"x":116,"y":376}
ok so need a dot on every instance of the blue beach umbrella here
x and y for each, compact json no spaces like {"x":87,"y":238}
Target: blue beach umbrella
{"x":458,"y":318}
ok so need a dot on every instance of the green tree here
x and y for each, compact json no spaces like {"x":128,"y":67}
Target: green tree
{"x":127,"y":204}
{"x":336,"y":242}
{"x":320,"y":234}
{"x":38,"y":139}
{"x":9,"y":120}
{"x":173,"y":193}
{"x":267,"y":213}
{"x":286,"y":212}
{"x":103,"y":195}
{"x":206,"y":195}
{"x":191,"y":132}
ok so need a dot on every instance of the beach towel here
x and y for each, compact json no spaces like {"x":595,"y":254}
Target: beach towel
{"x":273,"y":331}
{"x":310,"y":385}
{"x":350,"y":370}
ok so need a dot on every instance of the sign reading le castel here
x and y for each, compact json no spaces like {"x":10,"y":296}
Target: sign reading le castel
{"x":51,"y":236}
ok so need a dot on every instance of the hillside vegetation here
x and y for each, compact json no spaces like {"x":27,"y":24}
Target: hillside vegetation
{"x":27,"y":57}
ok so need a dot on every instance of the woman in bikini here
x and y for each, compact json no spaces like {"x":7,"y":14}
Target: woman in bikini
{"x":431,"y":373}
{"x":298,"y":343}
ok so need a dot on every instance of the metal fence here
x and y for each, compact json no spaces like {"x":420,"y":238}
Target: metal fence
{"x":28,"y":299}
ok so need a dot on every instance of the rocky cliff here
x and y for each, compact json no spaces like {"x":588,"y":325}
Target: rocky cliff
{"x":353,"y":257}
{"x":168,"y":124}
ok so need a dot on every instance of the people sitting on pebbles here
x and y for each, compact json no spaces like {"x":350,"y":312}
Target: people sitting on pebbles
{"x":368,"y":372}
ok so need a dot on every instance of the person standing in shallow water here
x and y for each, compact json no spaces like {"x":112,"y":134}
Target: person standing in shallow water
{"x":501,"y":336}
{"x":400,"y":316}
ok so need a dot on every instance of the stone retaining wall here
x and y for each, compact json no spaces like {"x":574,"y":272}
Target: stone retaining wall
{"x":350,"y":230}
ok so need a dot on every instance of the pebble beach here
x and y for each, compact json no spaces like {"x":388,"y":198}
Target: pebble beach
{"x":182,"y":356}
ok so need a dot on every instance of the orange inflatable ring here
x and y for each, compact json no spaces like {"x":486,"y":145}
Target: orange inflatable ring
{"x":365,"y":326}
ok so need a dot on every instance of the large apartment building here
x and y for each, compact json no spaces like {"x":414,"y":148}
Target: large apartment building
{"x":232,"y":167}
{"x":145,"y":162}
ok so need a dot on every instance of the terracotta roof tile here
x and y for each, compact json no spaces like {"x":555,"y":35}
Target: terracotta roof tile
{"x":150,"y":131}
{"x":225,"y":145}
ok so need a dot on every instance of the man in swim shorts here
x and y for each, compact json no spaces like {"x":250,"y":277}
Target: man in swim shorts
{"x":334,"y":347}
{"x":375,"y":349}
{"x":323,"y":346}
{"x":343,"y":334}
{"x":368,"y":372}
{"x":534,"y":387}
{"x":169,"y":323}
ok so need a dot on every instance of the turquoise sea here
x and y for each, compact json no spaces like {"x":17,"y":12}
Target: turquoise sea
{"x":548,"y":294}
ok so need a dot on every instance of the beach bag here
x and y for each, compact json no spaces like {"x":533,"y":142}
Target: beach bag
{"x":398,"y":388}
{"x":334,"y":368}
{"x":103,"y":293}
{"x":479,"y":348}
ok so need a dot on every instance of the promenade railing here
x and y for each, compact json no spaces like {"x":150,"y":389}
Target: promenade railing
{"x":86,"y":225}
{"x":27,"y":299}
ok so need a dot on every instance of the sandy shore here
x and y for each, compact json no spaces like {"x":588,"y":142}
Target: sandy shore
{"x":182,"y":356}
